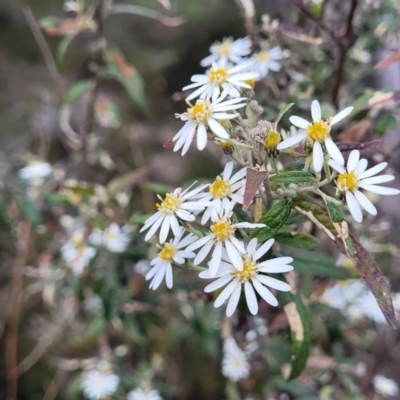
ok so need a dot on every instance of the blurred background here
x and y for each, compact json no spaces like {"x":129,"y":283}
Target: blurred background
{"x":110,"y":166}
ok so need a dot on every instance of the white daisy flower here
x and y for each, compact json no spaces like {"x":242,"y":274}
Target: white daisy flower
{"x":224,"y":192}
{"x":76,"y":253}
{"x":234,"y":363}
{"x":97,"y":385}
{"x":171,"y":252}
{"x":222,"y":236}
{"x":317,"y":134}
{"x":228,"y":50}
{"x":267,"y":60}
{"x":220,"y":79}
{"x":385,"y":386}
{"x":174,"y":206}
{"x":35,"y":172}
{"x":203,"y":116}
{"x":250,"y":276}
{"x":357,"y":176}
{"x":140,"y":394}
{"x":113,"y":238}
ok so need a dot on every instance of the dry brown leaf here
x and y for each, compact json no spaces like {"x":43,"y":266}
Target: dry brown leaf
{"x":356,"y":132}
{"x":386,"y":62}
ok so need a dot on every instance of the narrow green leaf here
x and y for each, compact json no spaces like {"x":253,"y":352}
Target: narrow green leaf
{"x":298,"y":319}
{"x":292,"y":177}
{"x":298,"y":240}
{"x":78,"y":90}
{"x":49,"y":22}
{"x":385,"y":121}
{"x":62,"y":50}
{"x":335,"y":212}
{"x":274,"y":219}
{"x":318,"y":264}
{"x":282,"y":112}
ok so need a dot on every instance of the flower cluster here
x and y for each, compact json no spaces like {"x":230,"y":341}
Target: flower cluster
{"x":234,"y":363}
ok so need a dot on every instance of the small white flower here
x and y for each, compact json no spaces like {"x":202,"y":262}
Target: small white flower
{"x":205,"y":114}
{"x":76,"y":253}
{"x":222,"y":236}
{"x":317,"y":134}
{"x":228,"y":50}
{"x":234,"y":363}
{"x":140,"y":394}
{"x":343,"y":294}
{"x":219,"y":79}
{"x":97,"y":385}
{"x":266,"y":60}
{"x":35,"y":172}
{"x":251,"y":276}
{"x":224,"y":192}
{"x":75,"y":6}
{"x":357,"y":176}
{"x":385,"y":386}
{"x":113,"y":238}
{"x":174,"y":206}
{"x":170,"y":252}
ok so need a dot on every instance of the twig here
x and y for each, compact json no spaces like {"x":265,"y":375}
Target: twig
{"x":247,"y":7}
{"x":55,"y":386}
{"x":13,"y":322}
{"x":344,"y":43}
{"x":45,"y":50}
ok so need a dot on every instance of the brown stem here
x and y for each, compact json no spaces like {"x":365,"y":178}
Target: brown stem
{"x":45,"y":50}
{"x":13,"y":322}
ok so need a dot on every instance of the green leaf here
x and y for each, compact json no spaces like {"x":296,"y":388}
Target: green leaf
{"x":298,"y":319}
{"x":292,"y":177}
{"x":298,"y":240}
{"x":362,"y":101}
{"x":318,"y":264}
{"x":282,"y":112}
{"x":275,"y":218}
{"x":49,"y":22}
{"x":56,"y":199}
{"x":30,"y":211}
{"x":385,"y":121}
{"x":62,"y":50}
{"x":78,"y":90}
{"x":335,"y":212}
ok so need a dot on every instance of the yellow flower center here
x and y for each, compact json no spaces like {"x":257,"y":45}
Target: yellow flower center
{"x":272,"y":139}
{"x":222,"y":230}
{"x":347,"y":181}
{"x":248,"y":271}
{"x":110,"y":236}
{"x":167,"y":253}
{"x":319,"y":131}
{"x":220,"y":188}
{"x":170,"y":204}
{"x":76,"y":239}
{"x":218,"y":75}
{"x":250,"y":82}
{"x":199,"y":112}
{"x":226,"y":146}
{"x":262,"y":56}
{"x":224,"y":48}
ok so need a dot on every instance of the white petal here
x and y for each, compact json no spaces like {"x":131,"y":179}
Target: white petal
{"x":334,"y":151}
{"x":201,"y":137}
{"x":152,"y":272}
{"x":343,"y":114}
{"x":217,"y":128}
{"x":264,"y":292}
{"x":274,"y":283}
{"x":299,"y":122}
{"x":165,"y":228}
{"x":361,"y":166}
{"x":373,"y":171}
{"x":179,"y":259}
{"x":318,"y":157}
{"x":183,"y":214}
{"x":155,"y":226}
{"x":251,"y":298}
{"x":291,"y":141}
{"x":216,"y":259}
{"x":168,"y":277}
{"x":234,"y":300}
{"x":364,"y":202}
{"x":380,"y":189}
{"x":175,"y":226}
{"x":234,"y":255}
{"x":277,"y":261}
{"x":337,"y":167}
{"x":198,"y":243}
{"x":263,"y":249}
{"x":155,"y":283}
{"x":227,"y":171}
{"x":218,"y":283}
{"x":275,"y":268}
{"x":316,"y":111}
{"x":202,"y":254}
{"x":150,"y":221}
{"x":225,"y":294}
{"x":354,"y":207}
{"x":353,"y":160}
{"x":239,"y":175}
{"x":238,"y":244}
{"x":378,"y":179}
{"x":251,"y":247}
